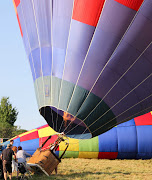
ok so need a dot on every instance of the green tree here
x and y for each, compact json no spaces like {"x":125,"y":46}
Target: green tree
{"x":17,"y":130}
{"x":8,"y":116}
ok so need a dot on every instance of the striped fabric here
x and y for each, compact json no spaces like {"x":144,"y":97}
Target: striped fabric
{"x":90,"y":59}
{"x":130,"y":140}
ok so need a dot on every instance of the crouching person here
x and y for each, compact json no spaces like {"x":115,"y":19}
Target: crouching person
{"x":7,"y":155}
{"x":21,"y":157}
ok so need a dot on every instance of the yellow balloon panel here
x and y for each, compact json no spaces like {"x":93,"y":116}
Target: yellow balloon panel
{"x":46,"y":132}
{"x":73,"y":145}
{"x":88,"y":155}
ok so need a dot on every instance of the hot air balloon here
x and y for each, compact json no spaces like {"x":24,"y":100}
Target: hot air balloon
{"x":128,"y":140}
{"x":90,"y":61}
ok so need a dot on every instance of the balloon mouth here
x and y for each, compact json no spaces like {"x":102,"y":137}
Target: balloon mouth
{"x":62,"y":121}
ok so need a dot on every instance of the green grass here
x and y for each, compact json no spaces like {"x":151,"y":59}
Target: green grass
{"x":92,"y":169}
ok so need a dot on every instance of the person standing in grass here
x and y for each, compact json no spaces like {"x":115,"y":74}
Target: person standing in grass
{"x":14,"y":164}
{"x":7,"y":155}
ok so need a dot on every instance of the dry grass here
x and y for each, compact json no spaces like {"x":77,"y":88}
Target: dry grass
{"x":89,"y":169}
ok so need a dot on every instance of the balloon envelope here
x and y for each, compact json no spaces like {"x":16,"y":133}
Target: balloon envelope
{"x":90,"y":61}
{"x":129,"y":140}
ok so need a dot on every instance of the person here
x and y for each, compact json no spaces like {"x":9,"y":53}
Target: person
{"x":12,"y":142}
{"x":7,"y":155}
{"x":1,"y":169}
{"x":21,"y":157}
{"x":56,"y":168}
{"x":53,"y":148}
{"x":4,"y":145}
{"x":14,"y":164}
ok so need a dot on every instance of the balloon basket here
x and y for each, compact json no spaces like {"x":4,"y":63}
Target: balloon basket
{"x":45,"y":161}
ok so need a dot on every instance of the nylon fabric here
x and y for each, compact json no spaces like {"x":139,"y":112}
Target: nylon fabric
{"x":130,"y":145}
{"x":87,"y":11}
{"x":133,"y":4}
{"x":127,"y":140}
{"x":17,"y":2}
{"x":90,"y":61}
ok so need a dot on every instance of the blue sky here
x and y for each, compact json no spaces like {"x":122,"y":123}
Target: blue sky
{"x":15,"y":75}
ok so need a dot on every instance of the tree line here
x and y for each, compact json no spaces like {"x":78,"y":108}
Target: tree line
{"x":8,"y":116}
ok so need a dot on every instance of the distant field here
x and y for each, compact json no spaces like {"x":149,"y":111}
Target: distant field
{"x":85,"y":169}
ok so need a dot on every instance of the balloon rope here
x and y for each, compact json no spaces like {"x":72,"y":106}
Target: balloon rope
{"x":105,"y":64}
{"x":52,"y":61}
{"x":119,"y":80}
{"x":40,"y":47}
{"x":61,"y":125}
{"x":103,"y":67}
{"x":64,"y":68}
{"x":117,"y":83}
{"x":120,"y":101}
{"x":37,"y":92}
{"x":130,"y":117}
{"x":41,"y":60}
{"x":51,"y":100}
{"x":81,"y":71}
{"x":120,"y":113}
{"x":85,"y":60}
{"x":124,"y":112}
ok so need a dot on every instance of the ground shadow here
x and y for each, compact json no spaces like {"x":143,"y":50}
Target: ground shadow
{"x":84,"y":174}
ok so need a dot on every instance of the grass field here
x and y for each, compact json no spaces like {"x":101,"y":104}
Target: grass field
{"x":92,"y":169}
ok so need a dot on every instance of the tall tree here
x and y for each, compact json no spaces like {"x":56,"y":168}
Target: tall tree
{"x":8,"y":116}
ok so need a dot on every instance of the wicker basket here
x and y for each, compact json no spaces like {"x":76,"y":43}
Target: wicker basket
{"x":44,"y":160}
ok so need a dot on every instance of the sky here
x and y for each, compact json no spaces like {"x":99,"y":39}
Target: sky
{"x":15,"y":75}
